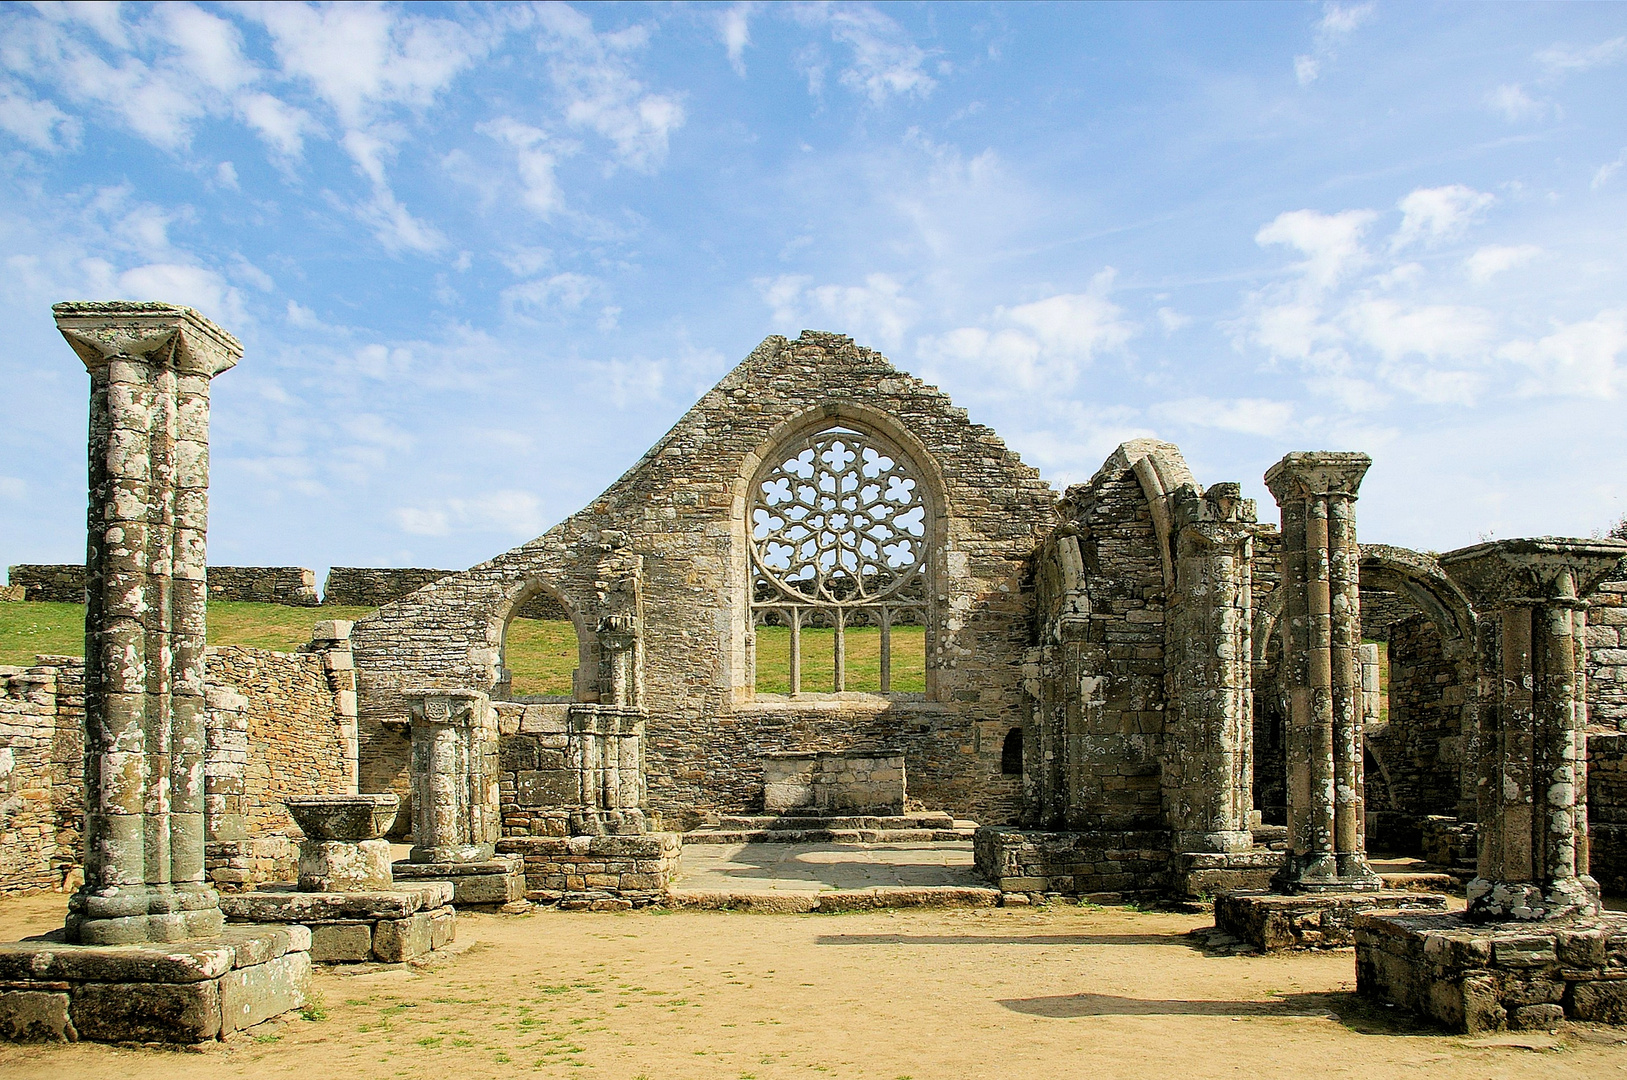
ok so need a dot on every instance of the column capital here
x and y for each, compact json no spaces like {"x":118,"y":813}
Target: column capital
{"x":1544,"y":569}
{"x":1305,"y":473}
{"x":446,"y":705}
{"x":178,"y":337}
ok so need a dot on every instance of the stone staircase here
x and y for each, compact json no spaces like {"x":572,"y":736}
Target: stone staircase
{"x":925,"y":826}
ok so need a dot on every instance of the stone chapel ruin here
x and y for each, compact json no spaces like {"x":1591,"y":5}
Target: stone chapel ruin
{"x":1135,"y":689}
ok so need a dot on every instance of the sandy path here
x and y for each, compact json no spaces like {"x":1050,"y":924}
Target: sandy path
{"x":1066,"y":992}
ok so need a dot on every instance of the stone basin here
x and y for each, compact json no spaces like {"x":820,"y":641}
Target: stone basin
{"x":343,"y":817}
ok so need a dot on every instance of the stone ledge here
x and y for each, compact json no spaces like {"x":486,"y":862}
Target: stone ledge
{"x":797,"y":901}
{"x":283,"y":904}
{"x":1471,"y":977}
{"x":494,"y":883}
{"x":187,"y":993}
{"x":1273,"y":921}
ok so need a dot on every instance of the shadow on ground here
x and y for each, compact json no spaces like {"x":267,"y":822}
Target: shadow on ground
{"x":1354,"y":1013}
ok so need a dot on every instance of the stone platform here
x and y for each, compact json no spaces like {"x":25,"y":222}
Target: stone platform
{"x":1198,"y":874}
{"x":830,"y":877}
{"x":390,"y":927}
{"x":1471,"y":977}
{"x":811,"y":828}
{"x":177,"y":992}
{"x":1272,"y":921}
{"x":496,"y":883}
{"x":598,"y":872}
{"x":1105,"y":866}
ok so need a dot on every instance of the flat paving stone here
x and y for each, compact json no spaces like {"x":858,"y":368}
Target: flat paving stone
{"x":817,"y":868}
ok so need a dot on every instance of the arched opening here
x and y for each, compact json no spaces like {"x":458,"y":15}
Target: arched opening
{"x":542,"y":654}
{"x":841,"y":543}
{"x":1011,"y":753}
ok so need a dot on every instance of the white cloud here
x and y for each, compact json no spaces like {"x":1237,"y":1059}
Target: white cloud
{"x":193,"y":286}
{"x":1337,"y":22}
{"x":515,"y":514}
{"x":38,"y":123}
{"x":1332,"y":243}
{"x":1340,"y":19}
{"x":1491,"y":260}
{"x":1172,"y":320}
{"x":734,"y":29}
{"x":884,"y":61}
{"x":1306,"y":69}
{"x":1587,"y":359}
{"x":1609,"y":169}
{"x":539,"y":188}
{"x":1430,"y":215}
{"x":874,"y":313}
{"x":1045,"y":344}
{"x":1512,"y":101}
{"x":1246,"y":416}
{"x":593,"y":73}
{"x":567,"y":291}
{"x":1563,"y":58}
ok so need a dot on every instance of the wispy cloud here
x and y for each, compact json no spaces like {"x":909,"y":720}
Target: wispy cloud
{"x":1338,"y":22}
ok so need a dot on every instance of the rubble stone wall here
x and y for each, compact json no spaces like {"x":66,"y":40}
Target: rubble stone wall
{"x":298,"y":739}
{"x":371,"y":586}
{"x":50,"y":582}
{"x":1607,"y":810}
{"x":291,"y":585}
{"x":664,"y":549}
{"x":28,"y":829}
{"x":1607,"y":656}
{"x":1418,"y":753}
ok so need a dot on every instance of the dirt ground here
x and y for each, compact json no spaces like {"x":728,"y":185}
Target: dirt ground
{"x":907,"y":995}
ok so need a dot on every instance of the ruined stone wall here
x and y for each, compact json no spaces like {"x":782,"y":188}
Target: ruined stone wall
{"x":1418,"y":752}
{"x":672,"y":531}
{"x":50,"y":582}
{"x":1270,"y":712}
{"x":371,"y":586}
{"x":299,"y":741}
{"x":28,"y":828}
{"x":1380,"y":610}
{"x":291,"y":585}
{"x":1607,"y":810}
{"x":1607,"y":656}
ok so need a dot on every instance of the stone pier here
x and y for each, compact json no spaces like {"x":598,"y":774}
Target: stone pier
{"x":1533,"y":947}
{"x":1325,"y":881}
{"x":150,"y":367}
{"x":456,"y":811}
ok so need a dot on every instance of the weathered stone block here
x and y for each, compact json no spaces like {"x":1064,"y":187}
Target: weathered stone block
{"x":396,"y":941}
{"x":341,"y":943}
{"x":1535,"y":1017}
{"x":1602,"y":1001}
{"x":36,"y":1016}
{"x":253,"y":994}
{"x":442,"y":927}
{"x":147,"y":1012}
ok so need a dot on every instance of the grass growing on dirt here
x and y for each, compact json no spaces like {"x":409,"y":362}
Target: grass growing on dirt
{"x":541,"y":654}
{"x":29,"y":629}
{"x":819,"y":659}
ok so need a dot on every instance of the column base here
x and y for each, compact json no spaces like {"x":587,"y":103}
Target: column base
{"x":344,"y":865}
{"x":1328,"y":873}
{"x":494,"y":883}
{"x":1272,"y":921}
{"x":135,"y":914}
{"x":1528,"y":901}
{"x":1199,"y":874}
{"x":1471,"y":977}
{"x":206,"y":989}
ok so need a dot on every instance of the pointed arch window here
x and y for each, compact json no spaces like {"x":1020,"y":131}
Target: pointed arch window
{"x":840,"y":536}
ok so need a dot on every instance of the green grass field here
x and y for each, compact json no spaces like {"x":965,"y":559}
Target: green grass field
{"x":540,"y":653}
{"x":819,"y":659}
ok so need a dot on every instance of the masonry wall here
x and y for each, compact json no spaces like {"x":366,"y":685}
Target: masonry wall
{"x":64,"y":583}
{"x":299,"y":742}
{"x":371,"y":586}
{"x":49,"y":582}
{"x":1607,"y":810}
{"x":1418,"y":752}
{"x":1607,"y":656}
{"x":669,"y":540}
{"x":28,"y":828}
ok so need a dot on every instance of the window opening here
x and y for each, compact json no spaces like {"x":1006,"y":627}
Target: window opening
{"x":1011,"y":753}
{"x":839,"y":527}
{"x":540,"y":652}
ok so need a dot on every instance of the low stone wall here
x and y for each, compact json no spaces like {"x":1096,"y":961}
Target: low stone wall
{"x":1471,"y":978}
{"x":597,"y":872}
{"x":291,"y":585}
{"x":372,"y":586}
{"x":1103,"y":865}
{"x":1607,"y":811}
{"x":28,"y":829}
{"x":55,"y":583}
{"x":854,"y":781}
{"x":1271,"y":921}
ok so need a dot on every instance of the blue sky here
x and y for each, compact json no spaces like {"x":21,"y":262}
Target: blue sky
{"x":482,"y":257}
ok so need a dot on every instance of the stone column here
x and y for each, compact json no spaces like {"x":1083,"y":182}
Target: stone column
{"x":150,"y":367}
{"x":1207,"y":761}
{"x":1531,"y":747}
{"x":1327,"y":848}
{"x":455,"y":815}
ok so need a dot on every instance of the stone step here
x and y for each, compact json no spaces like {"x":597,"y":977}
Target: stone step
{"x":1420,"y":882}
{"x":805,"y":822}
{"x":823,"y":836}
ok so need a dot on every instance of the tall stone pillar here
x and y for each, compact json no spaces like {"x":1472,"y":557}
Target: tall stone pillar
{"x":1208,"y":767}
{"x":1531,"y":746}
{"x":150,"y":367}
{"x":1316,"y":492}
{"x":455,"y":813}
